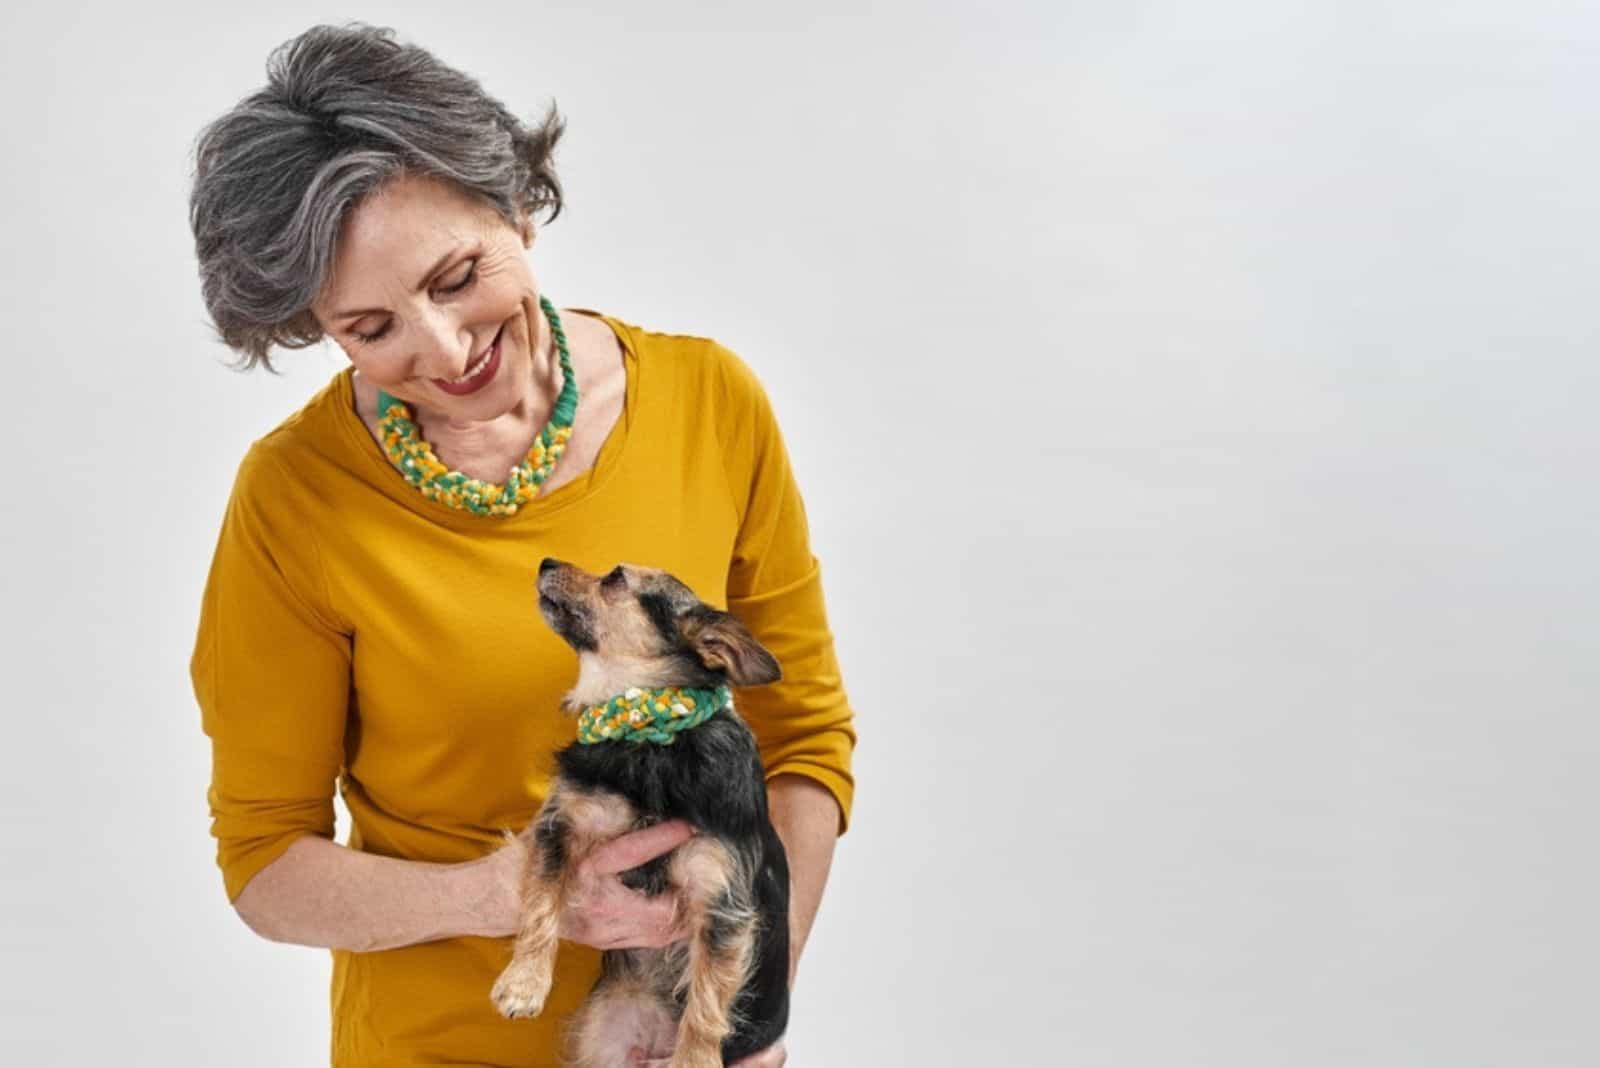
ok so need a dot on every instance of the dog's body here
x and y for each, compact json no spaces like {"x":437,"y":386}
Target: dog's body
{"x":723,"y":992}
{"x":711,"y":777}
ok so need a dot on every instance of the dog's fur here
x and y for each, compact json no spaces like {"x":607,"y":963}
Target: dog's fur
{"x":725,"y":990}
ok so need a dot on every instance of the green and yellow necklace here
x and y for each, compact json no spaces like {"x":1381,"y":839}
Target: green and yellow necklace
{"x":414,"y":457}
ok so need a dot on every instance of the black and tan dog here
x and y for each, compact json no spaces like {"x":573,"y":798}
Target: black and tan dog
{"x":725,"y":989}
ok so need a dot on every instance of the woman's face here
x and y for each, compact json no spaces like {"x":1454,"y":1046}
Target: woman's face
{"x":431,"y":298}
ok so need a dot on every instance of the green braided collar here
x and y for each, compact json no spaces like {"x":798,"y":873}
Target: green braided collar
{"x":650,"y":715}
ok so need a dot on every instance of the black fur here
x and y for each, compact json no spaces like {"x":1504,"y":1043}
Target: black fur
{"x":711,"y":776}
{"x":551,"y":837}
{"x":662,"y":614}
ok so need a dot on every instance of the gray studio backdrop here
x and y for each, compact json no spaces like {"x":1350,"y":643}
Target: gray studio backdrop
{"x":1195,"y":408}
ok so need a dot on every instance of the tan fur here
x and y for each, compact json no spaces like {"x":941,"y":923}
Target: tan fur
{"x":600,"y":677}
{"x":594,"y":820}
{"x":713,"y":981}
{"x":701,"y":868}
{"x":631,"y":646}
{"x":704,"y":871}
{"x":633,"y":1004}
{"x":622,"y":628}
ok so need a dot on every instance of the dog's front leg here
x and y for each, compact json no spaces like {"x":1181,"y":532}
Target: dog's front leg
{"x":522,"y":987}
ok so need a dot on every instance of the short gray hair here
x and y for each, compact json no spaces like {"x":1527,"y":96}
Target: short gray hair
{"x":345,"y":109}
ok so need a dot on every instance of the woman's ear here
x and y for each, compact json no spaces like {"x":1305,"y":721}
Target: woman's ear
{"x":528,"y":232}
{"x":723,"y":643}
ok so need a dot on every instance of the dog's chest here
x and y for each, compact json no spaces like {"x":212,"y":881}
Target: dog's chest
{"x":710,"y":776}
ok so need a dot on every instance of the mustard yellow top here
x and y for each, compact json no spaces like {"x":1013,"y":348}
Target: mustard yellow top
{"x":353,"y":631}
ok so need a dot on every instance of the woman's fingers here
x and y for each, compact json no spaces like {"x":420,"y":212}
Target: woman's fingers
{"x":605,"y":914}
{"x":666,"y":922}
{"x":636,"y":847}
{"x":644,"y":922}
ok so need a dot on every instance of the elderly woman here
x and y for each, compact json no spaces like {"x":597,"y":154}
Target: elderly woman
{"x":369,"y":618}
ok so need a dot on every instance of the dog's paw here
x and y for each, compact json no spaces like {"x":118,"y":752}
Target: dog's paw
{"x":520,"y":991}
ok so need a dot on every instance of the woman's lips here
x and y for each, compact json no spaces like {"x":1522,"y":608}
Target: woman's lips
{"x":484,"y":375}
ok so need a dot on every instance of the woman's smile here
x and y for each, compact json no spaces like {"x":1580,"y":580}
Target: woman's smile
{"x":479,"y":374}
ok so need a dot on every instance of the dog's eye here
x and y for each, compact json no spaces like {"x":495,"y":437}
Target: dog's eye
{"x":614,"y":577}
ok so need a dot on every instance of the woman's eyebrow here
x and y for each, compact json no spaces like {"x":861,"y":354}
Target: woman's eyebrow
{"x":435,"y":269}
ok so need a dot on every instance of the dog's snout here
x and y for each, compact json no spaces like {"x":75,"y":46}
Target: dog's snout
{"x":548,"y":563}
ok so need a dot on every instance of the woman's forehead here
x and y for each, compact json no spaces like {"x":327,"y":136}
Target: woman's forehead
{"x":399,"y":238}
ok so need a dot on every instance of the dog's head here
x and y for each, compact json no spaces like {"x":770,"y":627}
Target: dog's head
{"x":640,"y":626}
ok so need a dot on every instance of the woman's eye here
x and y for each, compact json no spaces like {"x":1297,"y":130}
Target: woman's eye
{"x":472,"y":274}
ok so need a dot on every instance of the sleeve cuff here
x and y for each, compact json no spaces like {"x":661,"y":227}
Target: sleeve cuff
{"x":241,"y":861}
{"x":259,"y":805}
{"x":841,"y":786}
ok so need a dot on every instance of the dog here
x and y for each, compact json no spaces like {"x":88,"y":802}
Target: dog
{"x":725,"y":989}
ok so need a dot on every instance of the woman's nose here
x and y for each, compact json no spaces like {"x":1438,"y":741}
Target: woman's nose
{"x":446,"y":347}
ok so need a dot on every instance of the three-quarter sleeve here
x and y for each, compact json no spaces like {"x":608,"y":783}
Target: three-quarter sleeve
{"x":271,"y":673}
{"x":803,"y":723}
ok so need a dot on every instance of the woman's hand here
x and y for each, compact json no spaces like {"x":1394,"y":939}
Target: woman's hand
{"x":774,"y":1056}
{"x":601,"y":911}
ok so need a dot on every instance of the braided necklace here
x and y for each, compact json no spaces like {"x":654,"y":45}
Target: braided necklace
{"x":414,"y":457}
{"x":650,"y":715}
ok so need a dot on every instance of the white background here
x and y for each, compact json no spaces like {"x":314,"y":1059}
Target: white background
{"x":1195,"y":406}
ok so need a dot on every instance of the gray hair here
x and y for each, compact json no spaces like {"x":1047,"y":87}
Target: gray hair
{"x":345,"y":109}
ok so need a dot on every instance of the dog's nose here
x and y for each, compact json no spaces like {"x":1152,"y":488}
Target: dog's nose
{"x":547,"y":563}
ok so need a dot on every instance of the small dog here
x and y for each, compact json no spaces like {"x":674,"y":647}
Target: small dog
{"x":725,"y":990}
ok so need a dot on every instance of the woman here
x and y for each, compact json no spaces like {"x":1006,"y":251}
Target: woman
{"x":369,"y":618}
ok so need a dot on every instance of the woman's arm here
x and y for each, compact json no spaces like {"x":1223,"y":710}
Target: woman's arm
{"x":804,"y":720}
{"x":806,"y":818}
{"x":320,"y":893}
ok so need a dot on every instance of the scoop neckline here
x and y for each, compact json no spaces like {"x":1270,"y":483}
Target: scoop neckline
{"x":394,"y":485}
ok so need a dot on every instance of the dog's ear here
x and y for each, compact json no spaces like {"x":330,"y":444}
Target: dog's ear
{"x":722,"y":642}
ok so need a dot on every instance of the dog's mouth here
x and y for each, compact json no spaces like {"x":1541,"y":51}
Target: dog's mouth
{"x":554,"y":608}
{"x":571,"y":623}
